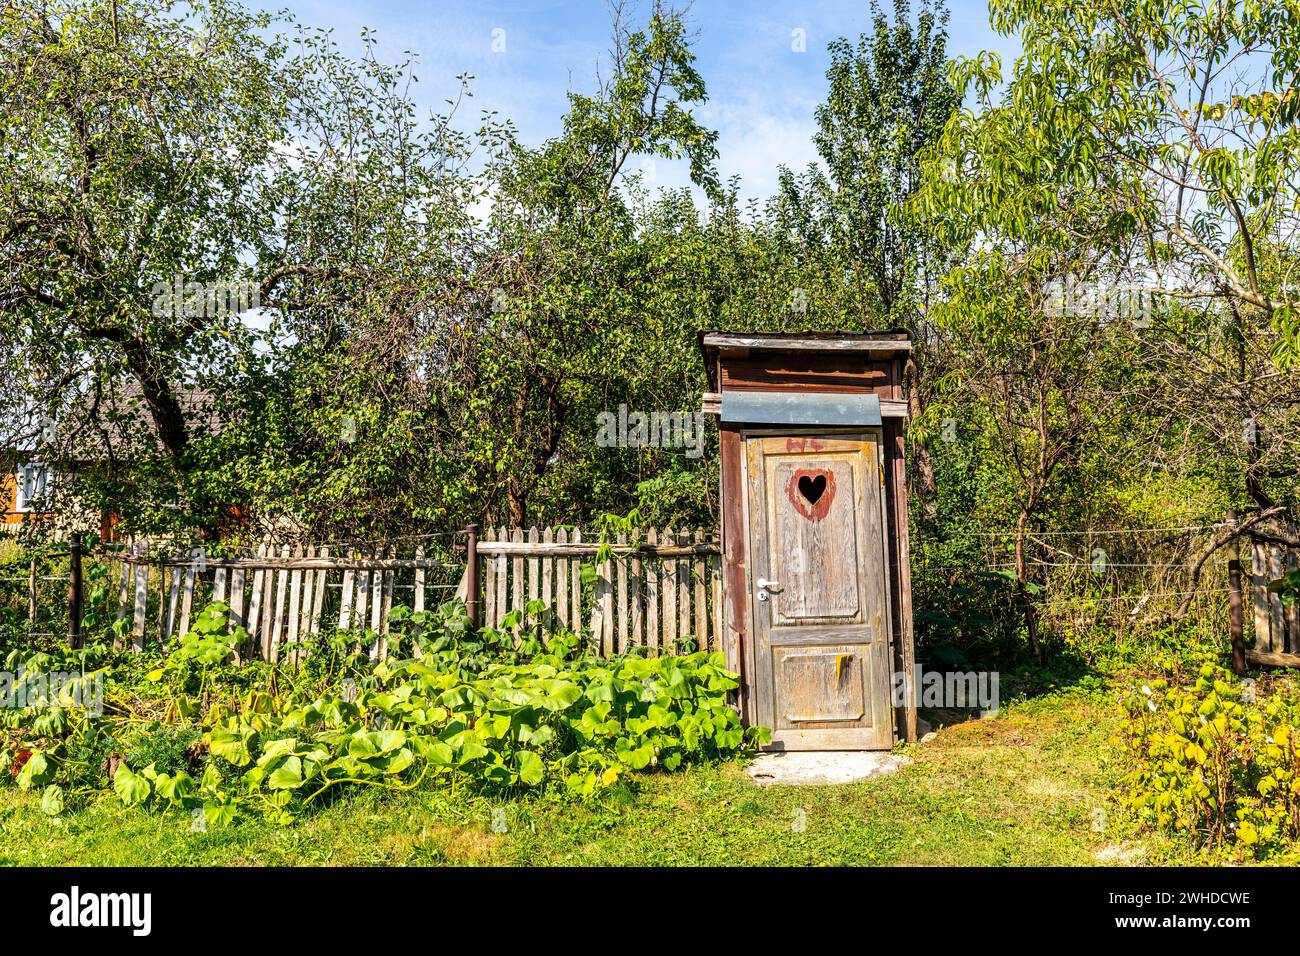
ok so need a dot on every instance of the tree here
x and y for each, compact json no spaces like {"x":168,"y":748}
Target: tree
{"x":136,"y":145}
{"x":889,"y":98}
{"x":565,"y":279}
{"x":170,"y":169}
{"x":1189,"y":109}
{"x":1146,"y":149}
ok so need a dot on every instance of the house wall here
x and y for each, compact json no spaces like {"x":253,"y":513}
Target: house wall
{"x":9,"y":499}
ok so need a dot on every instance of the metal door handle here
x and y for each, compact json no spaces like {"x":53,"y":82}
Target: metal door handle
{"x":765,"y":585}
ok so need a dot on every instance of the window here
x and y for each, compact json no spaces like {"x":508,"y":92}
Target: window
{"x":33,"y":482}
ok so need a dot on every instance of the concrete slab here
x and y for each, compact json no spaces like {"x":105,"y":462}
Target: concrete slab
{"x":796,"y":768}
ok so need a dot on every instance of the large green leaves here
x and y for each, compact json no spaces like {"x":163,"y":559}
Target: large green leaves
{"x":131,"y":788}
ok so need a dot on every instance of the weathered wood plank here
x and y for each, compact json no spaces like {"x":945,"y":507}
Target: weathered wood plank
{"x":375,"y":607}
{"x":345,"y":599}
{"x":1273,"y":659}
{"x":361,"y":606}
{"x":683,"y":591}
{"x":187,"y":599}
{"x":1277,"y":622}
{"x":636,"y":585}
{"x":237,"y":601}
{"x":518,"y":584}
{"x":699,"y":570}
{"x":562,"y":581}
{"x":277,"y":616}
{"x":1291,"y":613}
{"x":503,"y":581}
{"x":578,"y":550}
{"x":318,"y":599}
{"x":845,"y":344}
{"x":141,"y":605}
{"x":652,"y":570}
{"x":1258,"y":585}
{"x":417,"y":599}
{"x":715,"y":617}
{"x":124,"y":591}
{"x":534,"y":567}
{"x":268,"y":605}
{"x":547,"y":595}
{"x":901,"y":539}
{"x":164,"y":578}
{"x":575,"y":586}
{"x":490,"y":589}
{"x":256,"y":614}
{"x":605,"y":604}
{"x":386,"y":598}
{"x":173,"y":605}
{"x":620,"y":630}
{"x":668,"y":586}
{"x":295,"y":606}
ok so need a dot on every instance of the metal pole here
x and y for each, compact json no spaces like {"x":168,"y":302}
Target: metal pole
{"x":471,"y":574}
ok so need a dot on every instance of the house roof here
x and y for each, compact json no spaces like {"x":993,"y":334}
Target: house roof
{"x":113,"y":421}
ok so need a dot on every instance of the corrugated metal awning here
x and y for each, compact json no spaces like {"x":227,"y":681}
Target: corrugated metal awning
{"x":801,"y":408}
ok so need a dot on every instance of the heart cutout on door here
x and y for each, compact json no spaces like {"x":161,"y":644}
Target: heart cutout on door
{"x":811,"y":491}
{"x":812,"y":488}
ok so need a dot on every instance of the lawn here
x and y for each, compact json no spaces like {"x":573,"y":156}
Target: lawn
{"x":1028,"y":787}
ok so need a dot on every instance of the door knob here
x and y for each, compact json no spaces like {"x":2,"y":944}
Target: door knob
{"x":765,"y":585}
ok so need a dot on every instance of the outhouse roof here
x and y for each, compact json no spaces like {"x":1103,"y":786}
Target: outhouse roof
{"x":885,"y":344}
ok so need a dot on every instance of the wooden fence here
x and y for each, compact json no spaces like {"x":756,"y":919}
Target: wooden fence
{"x":659,"y":589}
{"x":1277,"y":627}
{"x":282,"y":593}
{"x":655,"y":588}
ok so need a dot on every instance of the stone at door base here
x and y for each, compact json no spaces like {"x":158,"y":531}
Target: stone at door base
{"x":823,"y":766}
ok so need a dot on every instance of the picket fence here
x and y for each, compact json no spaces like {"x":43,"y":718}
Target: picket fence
{"x":282,"y":594}
{"x":1277,"y":626}
{"x":654,"y":588}
{"x":658,"y":589}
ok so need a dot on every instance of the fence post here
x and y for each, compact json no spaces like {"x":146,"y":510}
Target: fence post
{"x":471,"y":574}
{"x":74,"y":591}
{"x":1234,"y":614}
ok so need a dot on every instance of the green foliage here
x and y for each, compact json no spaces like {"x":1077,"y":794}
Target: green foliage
{"x":889,"y":98}
{"x":168,"y":748}
{"x":506,"y":710}
{"x":1205,"y":760}
{"x":1287,"y":587}
{"x":209,"y":643}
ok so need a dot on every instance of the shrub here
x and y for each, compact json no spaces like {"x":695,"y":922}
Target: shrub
{"x":1205,"y":759}
{"x":481,"y":709}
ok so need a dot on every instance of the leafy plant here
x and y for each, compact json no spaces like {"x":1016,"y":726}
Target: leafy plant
{"x":1208,"y":761}
{"x":515,"y":708}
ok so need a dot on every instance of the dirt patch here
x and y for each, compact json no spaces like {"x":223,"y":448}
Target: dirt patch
{"x":1120,"y":854}
{"x":456,"y":845}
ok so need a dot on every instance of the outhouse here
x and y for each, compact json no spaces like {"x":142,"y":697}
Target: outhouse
{"x":816,"y":586}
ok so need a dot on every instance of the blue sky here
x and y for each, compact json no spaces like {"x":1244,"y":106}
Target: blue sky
{"x":762,"y":91}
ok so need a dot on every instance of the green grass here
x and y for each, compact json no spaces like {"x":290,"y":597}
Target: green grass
{"x":1022,"y":789}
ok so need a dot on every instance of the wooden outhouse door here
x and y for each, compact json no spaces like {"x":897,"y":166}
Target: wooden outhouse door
{"x":819,"y":587}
